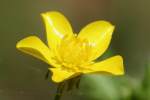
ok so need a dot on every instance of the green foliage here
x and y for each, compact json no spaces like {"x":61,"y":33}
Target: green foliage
{"x":143,"y":91}
{"x":104,"y":87}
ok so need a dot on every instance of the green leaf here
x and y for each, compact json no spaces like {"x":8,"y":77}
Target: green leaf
{"x":142,"y":90}
{"x":146,"y":84}
{"x":104,"y":87}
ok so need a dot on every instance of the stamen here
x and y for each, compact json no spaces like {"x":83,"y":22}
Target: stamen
{"x":74,"y":53}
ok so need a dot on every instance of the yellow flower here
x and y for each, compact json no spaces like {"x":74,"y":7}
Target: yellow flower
{"x":71,"y":54}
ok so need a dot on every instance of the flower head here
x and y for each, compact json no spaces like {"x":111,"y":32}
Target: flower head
{"x":71,"y":54}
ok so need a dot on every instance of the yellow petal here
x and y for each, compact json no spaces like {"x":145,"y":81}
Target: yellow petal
{"x":99,"y":35}
{"x":60,"y":75}
{"x":34,"y":46}
{"x":57,"y":26}
{"x":113,"y":65}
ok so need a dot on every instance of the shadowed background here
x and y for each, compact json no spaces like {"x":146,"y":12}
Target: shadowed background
{"x":22,"y":77}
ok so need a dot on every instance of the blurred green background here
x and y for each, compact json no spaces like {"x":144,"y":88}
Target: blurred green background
{"x":22,"y":77}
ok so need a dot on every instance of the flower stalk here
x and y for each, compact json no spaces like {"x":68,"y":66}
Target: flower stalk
{"x":59,"y":91}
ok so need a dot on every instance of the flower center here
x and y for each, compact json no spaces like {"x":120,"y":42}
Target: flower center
{"x":74,"y":53}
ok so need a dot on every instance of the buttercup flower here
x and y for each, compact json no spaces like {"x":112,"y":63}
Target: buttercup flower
{"x":70,"y":54}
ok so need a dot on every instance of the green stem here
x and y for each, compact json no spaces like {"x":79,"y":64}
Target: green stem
{"x":59,"y":91}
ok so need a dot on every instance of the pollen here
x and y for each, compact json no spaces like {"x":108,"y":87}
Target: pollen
{"x":74,"y":53}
